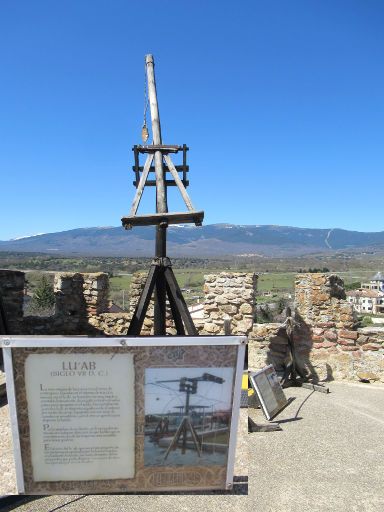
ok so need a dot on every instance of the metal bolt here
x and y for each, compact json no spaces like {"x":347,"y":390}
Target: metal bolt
{"x":123,"y":343}
{"x":6,"y":342}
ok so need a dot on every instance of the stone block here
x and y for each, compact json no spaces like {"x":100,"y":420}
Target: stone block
{"x":330,"y":335}
{"x":353,"y":335}
{"x":371,"y":346}
{"x":328,"y":344}
{"x":246,"y":308}
{"x":211,"y":328}
{"x":345,"y":342}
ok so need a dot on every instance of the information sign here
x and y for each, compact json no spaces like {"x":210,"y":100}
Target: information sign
{"x":95,"y":415}
{"x":269,"y":391}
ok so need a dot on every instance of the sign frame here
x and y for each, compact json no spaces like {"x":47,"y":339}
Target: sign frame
{"x":267,"y":375}
{"x":10,"y":344}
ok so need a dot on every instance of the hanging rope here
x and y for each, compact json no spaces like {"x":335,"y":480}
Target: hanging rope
{"x":144,"y":130}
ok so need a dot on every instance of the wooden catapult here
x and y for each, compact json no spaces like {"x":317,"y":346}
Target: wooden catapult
{"x":161,"y":280}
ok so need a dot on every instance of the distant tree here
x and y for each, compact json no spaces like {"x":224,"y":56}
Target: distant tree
{"x":264,"y":314}
{"x":43,"y":297}
{"x":281,"y":305}
{"x":353,"y":286}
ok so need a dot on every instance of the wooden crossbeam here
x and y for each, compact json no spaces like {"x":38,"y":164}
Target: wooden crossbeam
{"x":168,"y":183}
{"x":164,"y":148}
{"x":155,"y":219}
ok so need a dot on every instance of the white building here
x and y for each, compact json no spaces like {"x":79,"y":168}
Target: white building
{"x":370,"y":297}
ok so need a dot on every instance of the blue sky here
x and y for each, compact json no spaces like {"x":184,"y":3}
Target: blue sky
{"x":161,"y":398}
{"x":281,"y":103}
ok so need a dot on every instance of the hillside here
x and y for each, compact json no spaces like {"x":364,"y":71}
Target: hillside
{"x":213,"y":240}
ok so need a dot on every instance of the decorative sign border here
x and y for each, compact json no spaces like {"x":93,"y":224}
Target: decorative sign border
{"x":220,"y":352}
{"x":269,"y":391}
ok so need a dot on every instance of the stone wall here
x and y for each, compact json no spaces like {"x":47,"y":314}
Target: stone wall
{"x":12,"y":285}
{"x":226,"y":295}
{"x":328,"y":344}
{"x":79,"y":298}
{"x":82,"y":301}
{"x":232,"y":296}
{"x":137,"y":285}
{"x":268,"y":344}
{"x":327,"y":341}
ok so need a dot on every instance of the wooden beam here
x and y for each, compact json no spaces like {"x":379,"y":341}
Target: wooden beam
{"x":169,"y":183}
{"x":179,"y":168}
{"x":161,"y":191}
{"x":165,"y":148}
{"x":175,"y":292}
{"x":175,"y":313}
{"x":179,"y":183}
{"x":161,"y":195}
{"x":140,"y":188}
{"x":142,"y":306}
{"x":195,"y":217}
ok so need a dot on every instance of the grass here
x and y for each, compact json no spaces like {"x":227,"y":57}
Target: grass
{"x":192,"y":279}
{"x":122,"y":282}
{"x":354,"y":275}
{"x":276,"y":281}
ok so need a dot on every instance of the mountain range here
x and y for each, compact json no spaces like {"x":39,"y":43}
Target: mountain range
{"x":213,"y":240}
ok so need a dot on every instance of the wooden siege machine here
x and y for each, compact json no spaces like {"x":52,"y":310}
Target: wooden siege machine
{"x":161,"y":281}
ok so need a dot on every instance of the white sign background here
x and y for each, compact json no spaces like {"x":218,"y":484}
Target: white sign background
{"x":81,"y":409}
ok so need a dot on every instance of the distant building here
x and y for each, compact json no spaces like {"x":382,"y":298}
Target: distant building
{"x":376,"y":283}
{"x":370,"y":297}
{"x":197,"y":310}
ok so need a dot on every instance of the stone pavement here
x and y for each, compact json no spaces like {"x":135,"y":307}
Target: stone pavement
{"x":328,"y":457}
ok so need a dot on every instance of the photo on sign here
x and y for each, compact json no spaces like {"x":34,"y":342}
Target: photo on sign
{"x":187,"y":416}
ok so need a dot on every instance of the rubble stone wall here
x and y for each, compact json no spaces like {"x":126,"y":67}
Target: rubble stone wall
{"x":12,"y":285}
{"x":226,"y":295}
{"x":328,"y":343}
{"x":82,"y":301}
{"x":232,"y":296}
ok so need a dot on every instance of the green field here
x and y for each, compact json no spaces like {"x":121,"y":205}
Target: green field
{"x":279,"y":281}
{"x":191,"y":281}
{"x":276,"y":275}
